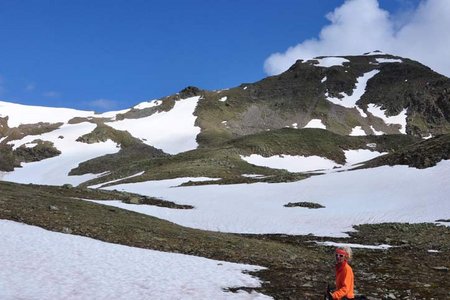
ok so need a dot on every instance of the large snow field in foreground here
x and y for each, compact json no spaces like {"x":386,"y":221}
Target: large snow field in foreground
{"x":384,"y":194}
{"x":41,"y":264}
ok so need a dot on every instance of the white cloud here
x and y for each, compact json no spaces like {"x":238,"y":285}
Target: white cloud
{"x":360,"y":26}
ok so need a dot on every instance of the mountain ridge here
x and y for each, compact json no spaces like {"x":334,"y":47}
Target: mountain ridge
{"x":370,"y":94}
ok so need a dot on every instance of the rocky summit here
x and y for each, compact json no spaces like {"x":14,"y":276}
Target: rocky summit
{"x":276,"y":173}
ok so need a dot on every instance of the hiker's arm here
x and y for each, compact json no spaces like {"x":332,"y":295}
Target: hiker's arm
{"x":340,"y":293}
{"x":343,"y":291}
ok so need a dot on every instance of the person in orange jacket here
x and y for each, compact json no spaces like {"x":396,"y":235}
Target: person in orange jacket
{"x":344,"y":275}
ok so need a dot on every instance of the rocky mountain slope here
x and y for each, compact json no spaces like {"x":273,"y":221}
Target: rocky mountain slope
{"x":368,"y":95}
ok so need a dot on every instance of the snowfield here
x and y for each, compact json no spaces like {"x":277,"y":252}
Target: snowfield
{"x":173,"y":131}
{"x":28,"y":114}
{"x":41,"y":264}
{"x":384,"y":194}
{"x":301,"y":163}
{"x":55,"y":170}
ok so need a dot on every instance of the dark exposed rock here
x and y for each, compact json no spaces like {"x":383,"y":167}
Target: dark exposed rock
{"x":156,"y":202}
{"x":420,"y":155}
{"x":304,"y":204}
{"x":42,"y":150}
{"x":190,"y":91}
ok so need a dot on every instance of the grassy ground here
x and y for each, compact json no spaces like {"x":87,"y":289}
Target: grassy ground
{"x":424,"y":154}
{"x":224,"y":161}
{"x":297,"y":267}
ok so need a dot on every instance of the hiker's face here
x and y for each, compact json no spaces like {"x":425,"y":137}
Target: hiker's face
{"x":339,"y":258}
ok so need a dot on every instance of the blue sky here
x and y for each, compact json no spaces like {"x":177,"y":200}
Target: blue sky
{"x":108,"y":55}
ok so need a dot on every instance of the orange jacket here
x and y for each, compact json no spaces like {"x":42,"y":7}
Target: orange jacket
{"x":344,"y":282}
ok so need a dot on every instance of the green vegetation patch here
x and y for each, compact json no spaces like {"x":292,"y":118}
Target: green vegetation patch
{"x":132,"y":150}
{"x":311,"y":141}
{"x":424,"y":154}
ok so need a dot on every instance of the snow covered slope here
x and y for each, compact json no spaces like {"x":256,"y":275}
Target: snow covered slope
{"x":172,"y":131}
{"x":27,"y":114}
{"x":41,"y":264}
{"x":55,"y":170}
{"x":384,"y":194}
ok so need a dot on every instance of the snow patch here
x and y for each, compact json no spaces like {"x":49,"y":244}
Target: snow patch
{"x":315,"y":123}
{"x":116,"y":180}
{"x":361,"y":112}
{"x":223,"y":99}
{"x":291,"y":163}
{"x":253,"y":175}
{"x":399,"y":119}
{"x":388,"y":60}
{"x":349,"y":101}
{"x":324,"y":79}
{"x":376,"y":132}
{"x":27,"y":114}
{"x":433,"y":251}
{"x":353,"y":157}
{"x":148,"y":104}
{"x":360,"y":246}
{"x":330,"y":61}
{"x":30,"y":145}
{"x":357,"y":131}
{"x":41,"y":264}
{"x":55,"y":170}
{"x":173,"y":131}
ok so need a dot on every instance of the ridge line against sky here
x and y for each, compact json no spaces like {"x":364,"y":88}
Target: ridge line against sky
{"x":109,"y":55}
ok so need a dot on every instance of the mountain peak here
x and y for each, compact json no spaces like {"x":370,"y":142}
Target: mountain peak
{"x":190,"y":91}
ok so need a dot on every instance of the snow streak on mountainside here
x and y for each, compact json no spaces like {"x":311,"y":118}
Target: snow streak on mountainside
{"x":398,"y":119}
{"x":384,"y":194}
{"x":349,"y":101}
{"x":173,"y":131}
{"x":41,"y":264}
